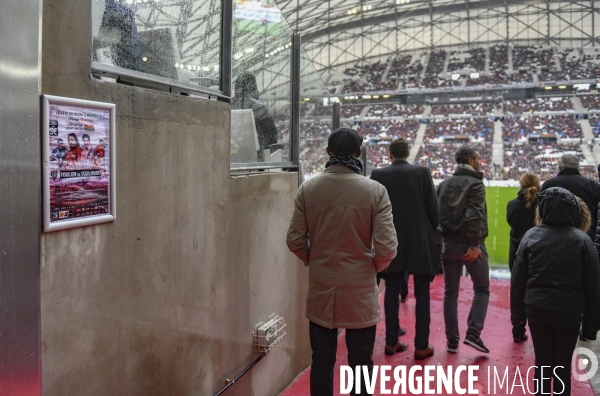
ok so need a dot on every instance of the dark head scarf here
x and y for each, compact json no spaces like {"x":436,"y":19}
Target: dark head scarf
{"x":343,"y":143}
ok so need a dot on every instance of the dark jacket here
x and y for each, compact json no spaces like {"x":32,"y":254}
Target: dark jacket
{"x":463,"y":211}
{"x":521,"y":219}
{"x":584,"y":188}
{"x":122,"y":18}
{"x":556,"y":268}
{"x":415,"y":211}
{"x":263,"y":120}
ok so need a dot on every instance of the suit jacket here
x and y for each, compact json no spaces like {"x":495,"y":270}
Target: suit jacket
{"x":342,"y":228}
{"x":416,"y":218}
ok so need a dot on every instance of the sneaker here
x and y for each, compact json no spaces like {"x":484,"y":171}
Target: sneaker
{"x":476,"y":343}
{"x":452,"y":347}
{"x":520,"y":339}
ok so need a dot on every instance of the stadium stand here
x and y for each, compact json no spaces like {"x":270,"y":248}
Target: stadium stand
{"x":590,"y":102}
{"x":349,"y":111}
{"x":539,"y":158}
{"x":474,"y":127}
{"x":394,"y":110}
{"x":439,"y":158}
{"x":565,"y":126}
{"x":395,"y":128}
{"x":470,"y":108}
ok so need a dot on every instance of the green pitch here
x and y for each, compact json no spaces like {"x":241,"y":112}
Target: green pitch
{"x":497,"y":242}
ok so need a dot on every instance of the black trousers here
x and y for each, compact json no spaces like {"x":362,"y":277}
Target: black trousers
{"x":393,"y":288}
{"x":554,"y":338}
{"x":404,"y":286}
{"x":323,"y":342}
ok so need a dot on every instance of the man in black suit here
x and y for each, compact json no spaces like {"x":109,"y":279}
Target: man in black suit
{"x":415,"y":210}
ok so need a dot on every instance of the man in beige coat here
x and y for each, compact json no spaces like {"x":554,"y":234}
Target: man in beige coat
{"x":342,"y":228}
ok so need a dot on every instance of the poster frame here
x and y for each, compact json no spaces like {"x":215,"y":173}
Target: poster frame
{"x":48,"y":226}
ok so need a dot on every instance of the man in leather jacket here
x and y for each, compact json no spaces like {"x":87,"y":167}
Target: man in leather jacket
{"x":463,"y":225}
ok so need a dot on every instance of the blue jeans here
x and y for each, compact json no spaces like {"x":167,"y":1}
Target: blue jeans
{"x":479,"y":270}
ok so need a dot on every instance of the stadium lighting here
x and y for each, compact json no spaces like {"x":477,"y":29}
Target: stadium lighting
{"x":455,"y":77}
{"x":386,"y":96}
{"x":345,"y":98}
{"x":205,"y":68}
{"x":145,"y":59}
{"x":366,"y":96}
{"x":474,"y":75}
{"x":562,"y":87}
{"x":548,"y":88}
{"x":375,"y":96}
{"x":249,"y":50}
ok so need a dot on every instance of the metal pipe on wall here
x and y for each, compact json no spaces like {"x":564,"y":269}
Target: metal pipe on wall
{"x":20,"y":207}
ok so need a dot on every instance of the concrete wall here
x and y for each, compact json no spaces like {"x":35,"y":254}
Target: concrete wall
{"x":163,"y":300}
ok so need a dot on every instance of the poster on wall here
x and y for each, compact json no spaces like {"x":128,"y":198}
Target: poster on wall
{"x":78,"y":162}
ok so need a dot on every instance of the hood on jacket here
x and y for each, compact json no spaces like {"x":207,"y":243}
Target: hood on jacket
{"x":558,"y":207}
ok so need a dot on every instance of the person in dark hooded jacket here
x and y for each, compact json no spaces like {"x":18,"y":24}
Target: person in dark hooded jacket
{"x":555,"y":286}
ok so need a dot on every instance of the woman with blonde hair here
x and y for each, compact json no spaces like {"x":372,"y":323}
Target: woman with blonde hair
{"x":520,"y":215}
{"x":555,"y":286}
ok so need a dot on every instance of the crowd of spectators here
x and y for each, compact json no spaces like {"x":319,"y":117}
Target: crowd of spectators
{"x":565,"y":126}
{"x":322,"y":111}
{"x":406,"y":129}
{"x":436,"y":62}
{"x":394,"y":110}
{"x":469,"y":108}
{"x":474,"y":127}
{"x":571,"y":67}
{"x":539,"y":105}
{"x":520,"y":77}
{"x":590,"y":102}
{"x":371,"y":79}
{"x":541,"y":158}
{"x":472,"y":60}
{"x":313,"y":144}
{"x":351,"y":111}
{"x":498,"y":66}
{"x":405,"y":69}
{"x":439,"y":158}
{"x":533,"y":57}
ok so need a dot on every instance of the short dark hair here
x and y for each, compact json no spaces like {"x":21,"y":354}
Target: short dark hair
{"x":85,"y":135}
{"x":399,"y":148}
{"x":464,"y":153}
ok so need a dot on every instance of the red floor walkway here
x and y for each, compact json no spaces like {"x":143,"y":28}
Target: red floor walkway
{"x":496,"y":335}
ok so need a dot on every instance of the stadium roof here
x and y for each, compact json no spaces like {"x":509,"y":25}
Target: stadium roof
{"x":340,"y":32}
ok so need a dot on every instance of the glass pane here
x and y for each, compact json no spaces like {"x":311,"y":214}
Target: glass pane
{"x":316,"y":118}
{"x":261,"y":74}
{"x":179,"y":40}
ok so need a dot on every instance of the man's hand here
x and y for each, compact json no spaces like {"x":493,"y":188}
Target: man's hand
{"x":472,"y":254}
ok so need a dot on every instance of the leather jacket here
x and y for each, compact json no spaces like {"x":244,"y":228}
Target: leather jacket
{"x":463,"y":211}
